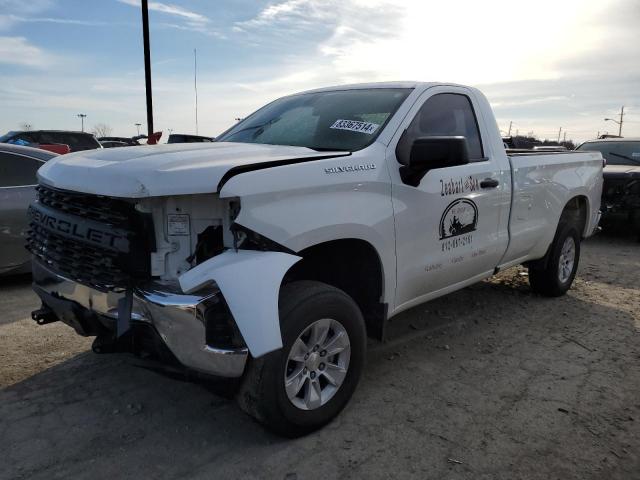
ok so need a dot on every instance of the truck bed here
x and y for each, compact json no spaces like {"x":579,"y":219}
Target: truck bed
{"x":540,"y":182}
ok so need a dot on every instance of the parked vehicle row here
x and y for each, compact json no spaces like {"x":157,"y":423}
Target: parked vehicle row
{"x":76,"y":141}
{"x":62,"y":141}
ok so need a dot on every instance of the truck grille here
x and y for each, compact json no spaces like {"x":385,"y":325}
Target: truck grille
{"x":103,"y":209}
{"x":98,"y":241}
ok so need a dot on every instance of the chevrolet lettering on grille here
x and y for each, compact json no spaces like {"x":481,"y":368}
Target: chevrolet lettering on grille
{"x":79,"y":229}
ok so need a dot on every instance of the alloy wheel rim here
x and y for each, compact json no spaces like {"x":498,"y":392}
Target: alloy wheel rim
{"x":317,"y":364}
{"x":567,"y":259}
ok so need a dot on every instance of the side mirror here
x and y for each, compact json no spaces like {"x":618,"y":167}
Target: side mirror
{"x":438,"y":152}
{"x":428,"y":153}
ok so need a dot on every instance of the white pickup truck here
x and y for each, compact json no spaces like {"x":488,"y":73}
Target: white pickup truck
{"x":272,"y":253}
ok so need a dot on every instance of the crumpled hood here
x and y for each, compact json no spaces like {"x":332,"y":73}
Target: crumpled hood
{"x":159,"y":170}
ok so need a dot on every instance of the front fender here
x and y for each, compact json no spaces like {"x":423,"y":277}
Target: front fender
{"x":250,"y":283}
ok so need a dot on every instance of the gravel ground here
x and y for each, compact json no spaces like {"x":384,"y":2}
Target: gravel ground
{"x":491,"y":382}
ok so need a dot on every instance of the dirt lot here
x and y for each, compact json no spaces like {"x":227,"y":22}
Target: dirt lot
{"x":491,"y":382}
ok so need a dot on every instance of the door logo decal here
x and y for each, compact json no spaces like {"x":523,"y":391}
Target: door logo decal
{"x":459,"y":218}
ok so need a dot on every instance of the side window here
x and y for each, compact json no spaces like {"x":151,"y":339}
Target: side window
{"x":447,"y":114}
{"x":80,"y":141}
{"x":17,"y":171}
{"x":24,"y":138}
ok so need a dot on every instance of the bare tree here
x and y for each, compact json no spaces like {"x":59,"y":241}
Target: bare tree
{"x":102,"y":130}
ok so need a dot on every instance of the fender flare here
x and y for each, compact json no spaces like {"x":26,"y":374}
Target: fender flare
{"x":250,"y":282}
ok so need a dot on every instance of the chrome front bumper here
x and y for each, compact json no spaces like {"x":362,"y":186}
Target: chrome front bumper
{"x":178,"y":318}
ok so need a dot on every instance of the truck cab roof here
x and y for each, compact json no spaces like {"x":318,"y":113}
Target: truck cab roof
{"x":394,"y":84}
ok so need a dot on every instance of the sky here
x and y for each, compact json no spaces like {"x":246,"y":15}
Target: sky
{"x":543,"y":65}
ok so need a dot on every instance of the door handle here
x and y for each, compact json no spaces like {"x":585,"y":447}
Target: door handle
{"x":489,"y":183}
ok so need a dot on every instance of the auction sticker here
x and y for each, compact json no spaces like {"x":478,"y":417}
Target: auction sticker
{"x":355,"y":126}
{"x":178,"y":224}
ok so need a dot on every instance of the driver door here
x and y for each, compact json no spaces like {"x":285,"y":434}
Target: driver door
{"x":451,"y":227}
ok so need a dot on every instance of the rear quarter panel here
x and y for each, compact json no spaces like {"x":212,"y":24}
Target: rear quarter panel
{"x":543,"y":184}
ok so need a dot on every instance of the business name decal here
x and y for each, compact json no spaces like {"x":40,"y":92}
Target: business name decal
{"x":458,"y":186}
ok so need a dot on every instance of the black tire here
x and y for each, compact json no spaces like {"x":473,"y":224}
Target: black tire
{"x":262,"y":393}
{"x":544,"y":279}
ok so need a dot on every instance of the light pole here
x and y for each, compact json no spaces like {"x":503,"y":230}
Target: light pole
{"x":618,"y":122}
{"x":138,"y":127}
{"x":147,"y":66}
{"x":82,"y":116}
{"x":195,"y":83}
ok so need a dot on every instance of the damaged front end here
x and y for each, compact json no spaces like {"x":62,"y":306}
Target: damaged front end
{"x":621,"y":191}
{"x":621,"y":197}
{"x":158,"y":277}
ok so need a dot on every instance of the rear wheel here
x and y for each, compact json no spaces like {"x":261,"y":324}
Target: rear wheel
{"x":556,"y":277}
{"x":304,"y":385}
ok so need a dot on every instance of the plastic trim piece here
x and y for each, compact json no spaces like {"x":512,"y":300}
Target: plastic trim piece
{"x":250,"y":283}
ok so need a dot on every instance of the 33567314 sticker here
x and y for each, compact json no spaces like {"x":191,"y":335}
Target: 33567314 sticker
{"x":355,"y":126}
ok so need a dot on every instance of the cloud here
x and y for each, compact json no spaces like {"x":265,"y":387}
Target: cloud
{"x":200,"y":28}
{"x":31,"y":7}
{"x":26,"y":7}
{"x":170,"y":10}
{"x":18,"y":51}
{"x":183,"y":19}
{"x":322,"y":16}
{"x":283,"y":11}
{"x":571,"y":68}
{"x":577,"y":103}
{"x":11,"y":19}
{"x":539,"y":69}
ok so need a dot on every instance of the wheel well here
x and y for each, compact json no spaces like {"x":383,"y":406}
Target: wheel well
{"x":576,"y":211}
{"x":354,"y":267}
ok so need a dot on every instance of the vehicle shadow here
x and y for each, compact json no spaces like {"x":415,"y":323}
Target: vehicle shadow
{"x":92,"y":408}
{"x":493,"y":357}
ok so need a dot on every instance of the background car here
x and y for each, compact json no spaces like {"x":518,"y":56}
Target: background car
{"x":76,"y":141}
{"x":184,"y":138}
{"x":58,"y":148}
{"x":621,"y":188}
{"x":128,"y":141}
{"x":18,"y":167}
{"x":113,"y":144}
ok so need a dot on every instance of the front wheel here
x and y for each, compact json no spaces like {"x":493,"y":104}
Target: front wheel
{"x":304,"y":385}
{"x":554,"y":279}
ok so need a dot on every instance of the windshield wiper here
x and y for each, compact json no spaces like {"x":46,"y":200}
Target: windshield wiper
{"x":327,"y":149}
{"x":625,"y":157}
